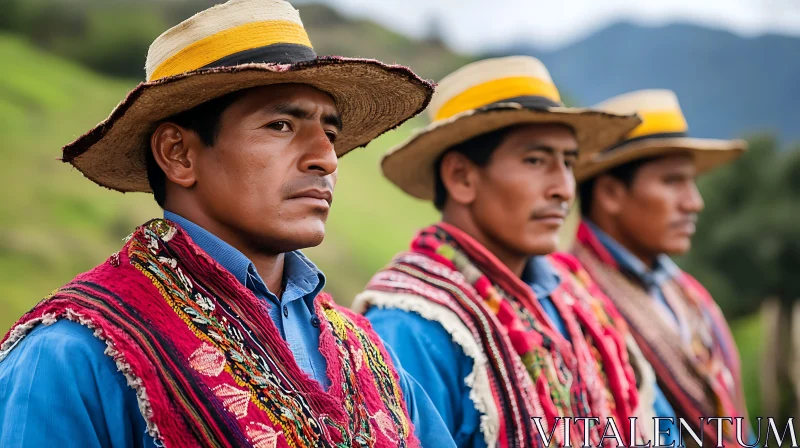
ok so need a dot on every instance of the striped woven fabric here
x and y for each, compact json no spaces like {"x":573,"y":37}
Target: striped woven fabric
{"x":209,"y":366}
{"x":701,"y":378}
{"x":523,"y":367}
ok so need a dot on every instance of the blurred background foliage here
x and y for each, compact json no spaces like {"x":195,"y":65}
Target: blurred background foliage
{"x":66,"y":63}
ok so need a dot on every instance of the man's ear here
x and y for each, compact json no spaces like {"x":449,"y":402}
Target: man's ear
{"x":459,"y":176}
{"x":174,"y":150}
{"x":609,"y":195}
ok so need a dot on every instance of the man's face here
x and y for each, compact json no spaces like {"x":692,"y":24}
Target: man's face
{"x":269,"y":178}
{"x":523,"y":194}
{"x":659,"y":210}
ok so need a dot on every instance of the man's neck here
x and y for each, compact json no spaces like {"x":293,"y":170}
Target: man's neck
{"x":644,"y":255}
{"x":513,"y":261}
{"x":269,"y":266}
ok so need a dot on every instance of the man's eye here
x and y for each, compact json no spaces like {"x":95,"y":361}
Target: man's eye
{"x":534,"y":160}
{"x":673,"y":180}
{"x":280,"y":126}
{"x":331,"y":136}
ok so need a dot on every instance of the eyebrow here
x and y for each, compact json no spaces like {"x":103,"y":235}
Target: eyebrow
{"x":552,"y":151}
{"x":298,"y":111}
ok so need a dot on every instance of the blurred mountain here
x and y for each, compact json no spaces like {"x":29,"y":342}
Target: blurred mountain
{"x":728,"y":85}
{"x":333,"y":33}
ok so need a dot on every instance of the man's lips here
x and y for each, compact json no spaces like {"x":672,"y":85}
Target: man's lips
{"x":687,"y":226}
{"x":551,"y":217}
{"x":315,"y":194}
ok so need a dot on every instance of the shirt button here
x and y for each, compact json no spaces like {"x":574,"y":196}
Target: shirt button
{"x":285,"y":311}
{"x":315,"y":322}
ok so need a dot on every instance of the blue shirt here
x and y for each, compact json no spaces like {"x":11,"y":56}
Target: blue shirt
{"x":429,"y":354}
{"x":651,"y":279}
{"x":57,"y":387}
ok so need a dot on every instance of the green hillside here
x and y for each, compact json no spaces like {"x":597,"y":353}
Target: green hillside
{"x":54,"y":223}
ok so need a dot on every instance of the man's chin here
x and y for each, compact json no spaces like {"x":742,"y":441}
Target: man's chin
{"x":679,"y":247}
{"x":544,"y":246}
{"x":308,"y":237}
{"x":297,"y":237}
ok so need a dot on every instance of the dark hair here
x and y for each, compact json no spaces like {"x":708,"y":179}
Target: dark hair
{"x":625,"y":173}
{"x":477,"y":149}
{"x":203,"y":120}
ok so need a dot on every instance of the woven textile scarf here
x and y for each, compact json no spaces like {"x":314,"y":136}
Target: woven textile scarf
{"x":697,"y":364}
{"x":523,"y":368}
{"x":208,"y":365}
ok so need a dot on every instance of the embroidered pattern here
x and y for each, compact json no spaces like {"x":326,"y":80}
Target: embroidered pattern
{"x":211,"y":368}
{"x":208,"y":360}
{"x":263,"y":436}
{"x":235,"y":400}
{"x":256,"y":367}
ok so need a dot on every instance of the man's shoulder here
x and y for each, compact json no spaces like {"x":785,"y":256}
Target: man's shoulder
{"x":64,"y":352}
{"x":63,"y":340}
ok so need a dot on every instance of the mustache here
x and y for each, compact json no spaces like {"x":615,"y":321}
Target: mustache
{"x":689,"y":219}
{"x":560,"y":208}
{"x":308,"y":183}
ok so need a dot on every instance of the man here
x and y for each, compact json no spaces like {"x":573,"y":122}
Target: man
{"x":639,"y":204}
{"x":501,"y":337}
{"x":208,"y":328}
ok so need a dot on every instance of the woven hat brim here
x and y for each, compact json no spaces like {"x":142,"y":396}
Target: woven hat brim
{"x":371,"y":97}
{"x":707,"y":154}
{"x":410,"y":165}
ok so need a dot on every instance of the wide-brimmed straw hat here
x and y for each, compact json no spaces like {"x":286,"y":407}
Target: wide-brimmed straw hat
{"x":233,"y":46}
{"x":663,"y":131}
{"x":486,"y":96}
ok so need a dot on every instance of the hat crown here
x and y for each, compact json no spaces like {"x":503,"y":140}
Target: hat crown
{"x":235,"y":32}
{"x":658,"y":108}
{"x":490,"y":81}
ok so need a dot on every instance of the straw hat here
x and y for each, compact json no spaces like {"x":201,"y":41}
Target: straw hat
{"x":234,"y":46}
{"x":663,"y":131}
{"x":486,"y":96}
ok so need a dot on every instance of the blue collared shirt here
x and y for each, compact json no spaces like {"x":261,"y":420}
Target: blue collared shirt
{"x":57,"y":387}
{"x":543,"y":280}
{"x":652,"y":280}
{"x":293,"y":312}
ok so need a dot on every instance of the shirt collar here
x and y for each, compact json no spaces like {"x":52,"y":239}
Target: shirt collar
{"x":541,"y":277}
{"x":298,"y":270}
{"x":663,"y":269}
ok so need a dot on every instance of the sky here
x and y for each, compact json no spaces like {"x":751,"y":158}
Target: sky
{"x":476,"y":25}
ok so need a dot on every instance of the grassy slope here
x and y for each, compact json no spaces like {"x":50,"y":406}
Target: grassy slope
{"x":53,"y":222}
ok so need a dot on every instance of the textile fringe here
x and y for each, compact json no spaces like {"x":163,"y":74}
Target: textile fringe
{"x":477,"y":380}
{"x":19,"y":332}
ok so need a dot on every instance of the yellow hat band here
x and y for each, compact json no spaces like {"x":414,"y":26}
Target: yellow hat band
{"x":229,"y":42}
{"x":659,"y":122}
{"x":495,"y":91}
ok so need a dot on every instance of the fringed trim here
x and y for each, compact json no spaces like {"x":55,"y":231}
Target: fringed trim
{"x":646,"y":379}
{"x":478,"y":380}
{"x":20,"y":331}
